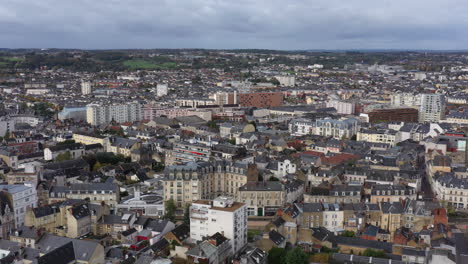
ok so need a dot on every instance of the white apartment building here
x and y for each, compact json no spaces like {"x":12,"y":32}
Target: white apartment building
{"x":161,"y":90}
{"x":333,"y":217}
{"x":301,"y":127}
{"x":386,"y":136}
{"x":120,"y":113}
{"x":221,"y":215}
{"x":286,"y":80}
{"x":405,"y":99}
{"x":86,"y":87}
{"x":432,"y":108}
{"x":341,"y":128}
{"x":454,"y":191}
{"x":344,"y":108}
{"x":22,"y":197}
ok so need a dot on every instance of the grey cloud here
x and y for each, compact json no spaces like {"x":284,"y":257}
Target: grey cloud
{"x":275,"y":24}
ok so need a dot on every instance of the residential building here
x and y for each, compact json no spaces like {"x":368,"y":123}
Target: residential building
{"x":261,"y":100}
{"x":393,"y":115}
{"x":97,"y":193}
{"x":86,"y":87}
{"x":206,"y":180}
{"x":341,"y":128}
{"x":22,"y":197}
{"x":262,"y":198}
{"x":221,"y":215}
{"x":104,"y":114}
{"x":342,"y":107}
{"x":432,"y":108}
{"x":76,"y":150}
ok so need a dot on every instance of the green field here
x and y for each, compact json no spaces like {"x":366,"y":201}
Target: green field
{"x":148,"y":65}
{"x":12,"y":59}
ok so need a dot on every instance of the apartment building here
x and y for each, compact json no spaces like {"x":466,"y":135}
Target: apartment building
{"x":342,"y":107}
{"x":104,"y":114}
{"x":262,"y":198}
{"x":76,"y":150}
{"x":222,"y":215}
{"x":22,"y":197}
{"x":183,"y":152}
{"x":432,"y":108}
{"x":301,"y":127}
{"x":206,"y":180}
{"x":97,"y":193}
{"x":89,"y":139}
{"x":341,"y":128}
{"x":450,"y":189}
{"x":386,"y":136}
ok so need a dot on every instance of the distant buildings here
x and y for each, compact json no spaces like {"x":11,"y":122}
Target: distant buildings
{"x":432,"y":108}
{"x":286,"y":80}
{"x":161,"y":90}
{"x":104,"y":114}
{"x":342,"y":107}
{"x":405,"y":99}
{"x":86,"y":87}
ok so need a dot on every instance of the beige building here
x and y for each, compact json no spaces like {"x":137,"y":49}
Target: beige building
{"x":262,"y":198}
{"x":70,"y":218}
{"x":88,"y":139}
{"x":377,"y":136}
{"x":206,"y":180}
{"x":97,"y":193}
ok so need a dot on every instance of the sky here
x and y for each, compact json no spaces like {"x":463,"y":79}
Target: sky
{"x":235,"y":24}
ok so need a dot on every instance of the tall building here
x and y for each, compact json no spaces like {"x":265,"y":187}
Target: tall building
{"x":161,"y":90}
{"x":86,"y":87}
{"x":21,"y":196}
{"x":432,"y":108}
{"x":120,"y":113}
{"x":221,"y":215}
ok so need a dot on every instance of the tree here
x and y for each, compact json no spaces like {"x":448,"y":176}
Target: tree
{"x":348,"y":233}
{"x":97,"y":166}
{"x":170,"y":208}
{"x":187,"y":215}
{"x":212,"y":124}
{"x":374,"y":253}
{"x":296,"y":256}
{"x":7,"y":135}
{"x":63,"y":156}
{"x":276,"y":255}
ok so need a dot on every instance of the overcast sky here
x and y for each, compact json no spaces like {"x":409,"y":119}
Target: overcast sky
{"x":274,"y":24}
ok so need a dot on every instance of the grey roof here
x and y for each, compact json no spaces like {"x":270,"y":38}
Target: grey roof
{"x":262,"y":186}
{"x":83,"y":249}
{"x":312,"y":207}
{"x":62,"y":255}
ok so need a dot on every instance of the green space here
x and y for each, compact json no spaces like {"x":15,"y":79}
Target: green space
{"x":148,"y":65}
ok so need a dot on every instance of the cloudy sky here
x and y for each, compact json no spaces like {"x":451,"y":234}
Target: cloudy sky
{"x":273,"y":24}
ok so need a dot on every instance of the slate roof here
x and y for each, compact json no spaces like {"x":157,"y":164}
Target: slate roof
{"x":83,"y":249}
{"x":62,"y":255}
{"x":182,"y":232}
{"x":276,"y":237}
